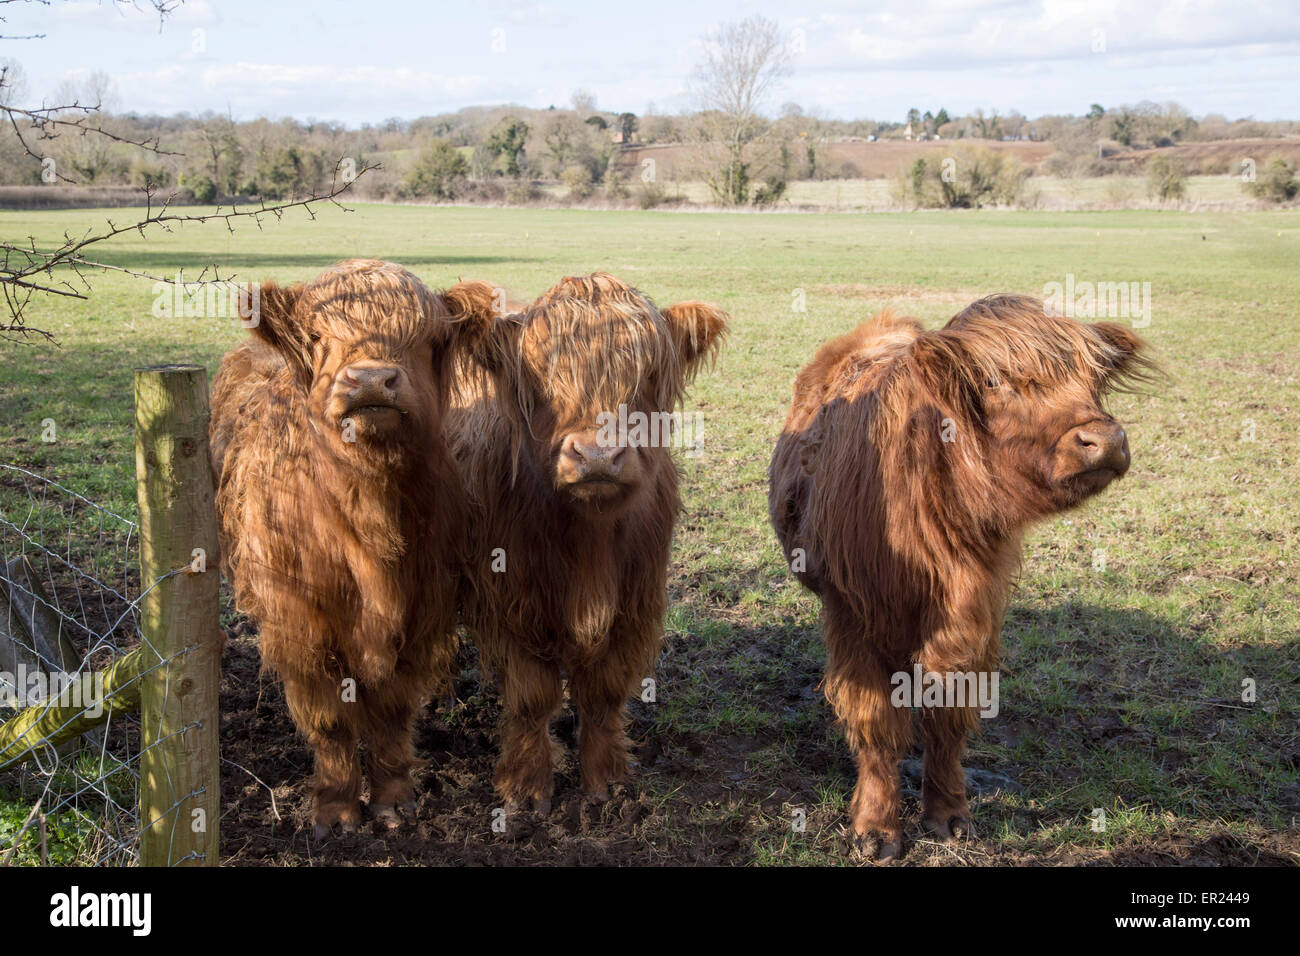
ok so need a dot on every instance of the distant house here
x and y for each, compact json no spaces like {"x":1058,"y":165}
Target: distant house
{"x":907,"y":133}
{"x":616,"y":136}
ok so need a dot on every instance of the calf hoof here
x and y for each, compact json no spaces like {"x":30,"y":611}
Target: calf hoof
{"x":876,"y":846}
{"x":946,"y":830}
{"x":321,"y":832}
{"x":390,"y":816}
{"x":597,"y":784}
{"x":539,"y":805}
{"x":616,"y":790}
{"x":335,"y":815}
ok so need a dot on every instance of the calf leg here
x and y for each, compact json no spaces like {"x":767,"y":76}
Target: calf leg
{"x":600,"y":691}
{"x":389,"y":722}
{"x":532,"y":693}
{"x":945,"y":812}
{"x":330,"y":726}
{"x":857,"y":687}
{"x":967,"y":646}
{"x":878,"y":734}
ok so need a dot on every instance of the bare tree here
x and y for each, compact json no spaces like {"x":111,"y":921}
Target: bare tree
{"x":584,"y":102}
{"x":13,"y":81}
{"x":988,"y":127}
{"x":742,"y":63}
{"x":90,"y":156}
{"x":222,"y":152}
{"x":39,"y":124}
{"x":561,"y":138}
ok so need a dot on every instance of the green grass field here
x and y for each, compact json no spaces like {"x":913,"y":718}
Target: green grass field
{"x":1121,"y":679}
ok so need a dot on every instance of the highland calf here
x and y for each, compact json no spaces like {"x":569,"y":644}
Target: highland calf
{"x":910,"y":465}
{"x":341,"y":516}
{"x":573,"y":521}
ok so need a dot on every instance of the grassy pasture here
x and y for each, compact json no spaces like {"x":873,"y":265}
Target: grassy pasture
{"x":1134,"y":624}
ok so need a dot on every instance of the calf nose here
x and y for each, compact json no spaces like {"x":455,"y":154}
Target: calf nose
{"x":592,"y":459}
{"x":381,"y":378}
{"x":1103,"y":445}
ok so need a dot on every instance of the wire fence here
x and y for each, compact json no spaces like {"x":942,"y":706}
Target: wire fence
{"x":69,"y":591}
{"x":107,"y":683}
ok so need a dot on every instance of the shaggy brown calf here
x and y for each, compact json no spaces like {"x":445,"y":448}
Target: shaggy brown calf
{"x":573,"y":523}
{"x":910,"y":466}
{"x":341,"y":515}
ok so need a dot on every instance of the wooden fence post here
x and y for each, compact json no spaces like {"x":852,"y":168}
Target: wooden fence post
{"x":179,"y":617}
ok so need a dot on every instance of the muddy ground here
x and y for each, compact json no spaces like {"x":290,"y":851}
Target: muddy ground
{"x":698,"y":799}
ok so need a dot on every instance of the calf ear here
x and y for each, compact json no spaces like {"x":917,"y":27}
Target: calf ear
{"x":1123,"y":357}
{"x":698,"y":330}
{"x":485,"y":343}
{"x":482,"y":324}
{"x":269,"y":313}
{"x":949,"y":378}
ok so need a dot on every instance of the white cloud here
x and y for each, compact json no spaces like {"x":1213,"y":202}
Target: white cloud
{"x":955,"y":36}
{"x":296,"y":89}
{"x":282,"y":80}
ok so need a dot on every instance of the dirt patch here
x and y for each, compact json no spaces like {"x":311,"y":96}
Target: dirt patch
{"x":1221,"y":849}
{"x":706,"y":795}
{"x":1225,"y":156}
{"x":265,"y":794}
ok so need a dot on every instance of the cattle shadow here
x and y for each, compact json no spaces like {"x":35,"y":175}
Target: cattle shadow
{"x":1098,"y":706}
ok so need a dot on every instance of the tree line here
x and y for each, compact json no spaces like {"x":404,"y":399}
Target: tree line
{"x":487,"y":151}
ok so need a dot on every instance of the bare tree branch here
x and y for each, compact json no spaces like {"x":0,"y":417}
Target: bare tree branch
{"x":27,"y":270}
{"x":30,"y":36}
{"x":163,"y":8}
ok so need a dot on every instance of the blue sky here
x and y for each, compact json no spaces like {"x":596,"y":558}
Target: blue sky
{"x":366,"y":61}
